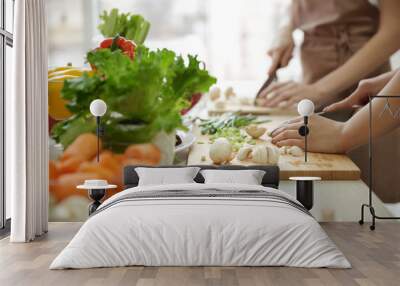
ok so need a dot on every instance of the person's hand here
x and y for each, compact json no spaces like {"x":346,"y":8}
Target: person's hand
{"x":360,"y":96}
{"x":288,"y":94}
{"x":280,"y":56}
{"x":325,"y":135}
{"x":282,"y":51}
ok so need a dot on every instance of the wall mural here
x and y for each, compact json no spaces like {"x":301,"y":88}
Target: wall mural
{"x":145,"y":94}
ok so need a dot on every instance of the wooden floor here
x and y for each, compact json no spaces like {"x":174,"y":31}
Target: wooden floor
{"x":375,"y":257}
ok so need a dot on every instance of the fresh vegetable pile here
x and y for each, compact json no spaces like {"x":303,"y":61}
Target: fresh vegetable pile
{"x":229,"y":126}
{"x":78,"y":163}
{"x":144,"y":90}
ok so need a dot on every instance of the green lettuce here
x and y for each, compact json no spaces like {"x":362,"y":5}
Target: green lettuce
{"x":144,"y":96}
{"x":129,"y":26}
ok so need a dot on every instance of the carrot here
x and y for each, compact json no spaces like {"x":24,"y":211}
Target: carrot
{"x":119,"y":157}
{"x":65,"y":185}
{"x":144,"y":152}
{"x":130,"y":162}
{"x":53,"y":172}
{"x":70,"y":164}
{"x":103,"y":173}
{"x":108,"y":160}
{"x":85,"y":146}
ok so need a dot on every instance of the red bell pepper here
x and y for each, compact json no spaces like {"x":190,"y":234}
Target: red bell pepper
{"x":128,"y":47}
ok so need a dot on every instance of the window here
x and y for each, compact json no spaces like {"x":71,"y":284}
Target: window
{"x":6,"y":44}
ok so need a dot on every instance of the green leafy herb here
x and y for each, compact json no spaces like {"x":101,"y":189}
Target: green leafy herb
{"x":211,"y":126}
{"x":229,"y":126}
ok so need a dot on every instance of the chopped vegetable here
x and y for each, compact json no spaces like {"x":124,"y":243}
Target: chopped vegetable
{"x":228,"y":126}
{"x":254,"y":131}
{"x":211,"y":126}
{"x":244,"y":152}
{"x":265,"y":154}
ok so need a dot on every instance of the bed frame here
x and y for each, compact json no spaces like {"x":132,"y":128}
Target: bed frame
{"x":270,"y":179}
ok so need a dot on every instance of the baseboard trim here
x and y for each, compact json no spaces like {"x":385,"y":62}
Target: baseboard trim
{"x":5,"y":231}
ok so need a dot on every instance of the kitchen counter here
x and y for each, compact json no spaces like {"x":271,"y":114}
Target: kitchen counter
{"x":338,"y":197}
{"x":326,"y":166}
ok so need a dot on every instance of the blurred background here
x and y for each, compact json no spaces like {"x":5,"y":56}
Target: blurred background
{"x":230,"y":36}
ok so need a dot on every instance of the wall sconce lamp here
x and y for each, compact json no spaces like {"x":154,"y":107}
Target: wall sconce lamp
{"x":305,"y":108}
{"x":98,"y":108}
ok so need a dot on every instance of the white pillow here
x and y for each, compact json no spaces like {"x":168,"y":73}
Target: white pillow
{"x":164,"y":176}
{"x":247,"y":177}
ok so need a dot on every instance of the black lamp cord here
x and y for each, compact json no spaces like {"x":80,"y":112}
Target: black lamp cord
{"x":305,"y":138}
{"x":98,"y":137}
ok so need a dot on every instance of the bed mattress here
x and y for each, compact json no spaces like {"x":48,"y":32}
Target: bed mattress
{"x":201,"y":225}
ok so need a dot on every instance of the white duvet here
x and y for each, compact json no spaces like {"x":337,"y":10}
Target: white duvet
{"x":200,"y":231}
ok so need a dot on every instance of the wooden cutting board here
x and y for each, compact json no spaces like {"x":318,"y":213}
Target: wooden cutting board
{"x":248,"y":109}
{"x":326,"y":166}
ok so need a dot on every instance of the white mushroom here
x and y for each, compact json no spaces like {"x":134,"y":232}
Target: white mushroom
{"x":220,"y":104}
{"x":215,"y":93}
{"x":254,"y":131}
{"x":229,"y":93}
{"x":244,"y":152}
{"x":220,"y":151}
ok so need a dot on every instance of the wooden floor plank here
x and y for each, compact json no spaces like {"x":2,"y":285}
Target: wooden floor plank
{"x":375,"y":257}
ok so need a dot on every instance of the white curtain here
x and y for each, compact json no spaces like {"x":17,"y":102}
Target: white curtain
{"x":27,"y":124}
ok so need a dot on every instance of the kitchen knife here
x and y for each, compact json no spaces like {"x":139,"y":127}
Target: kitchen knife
{"x":269,"y":80}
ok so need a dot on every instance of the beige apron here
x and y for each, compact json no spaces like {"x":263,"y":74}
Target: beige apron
{"x":333,"y":31}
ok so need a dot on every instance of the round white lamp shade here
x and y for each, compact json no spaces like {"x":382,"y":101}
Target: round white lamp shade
{"x":98,"y":107}
{"x":305,"y":107}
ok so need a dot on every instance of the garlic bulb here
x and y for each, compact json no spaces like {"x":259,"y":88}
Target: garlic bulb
{"x":273,"y":155}
{"x":220,"y":151}
{"x":295,"y":151}
{"x":291,"y":150}
{"x":283,"y":150}
{"x":260,"y":154}
{"x":215,"y":93}
{"x":244,"y":153}
{"x":254,"y":131}
{"x":265,"y":154}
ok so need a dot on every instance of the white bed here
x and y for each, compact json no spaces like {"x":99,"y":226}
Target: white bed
{"x":268,"y":228}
